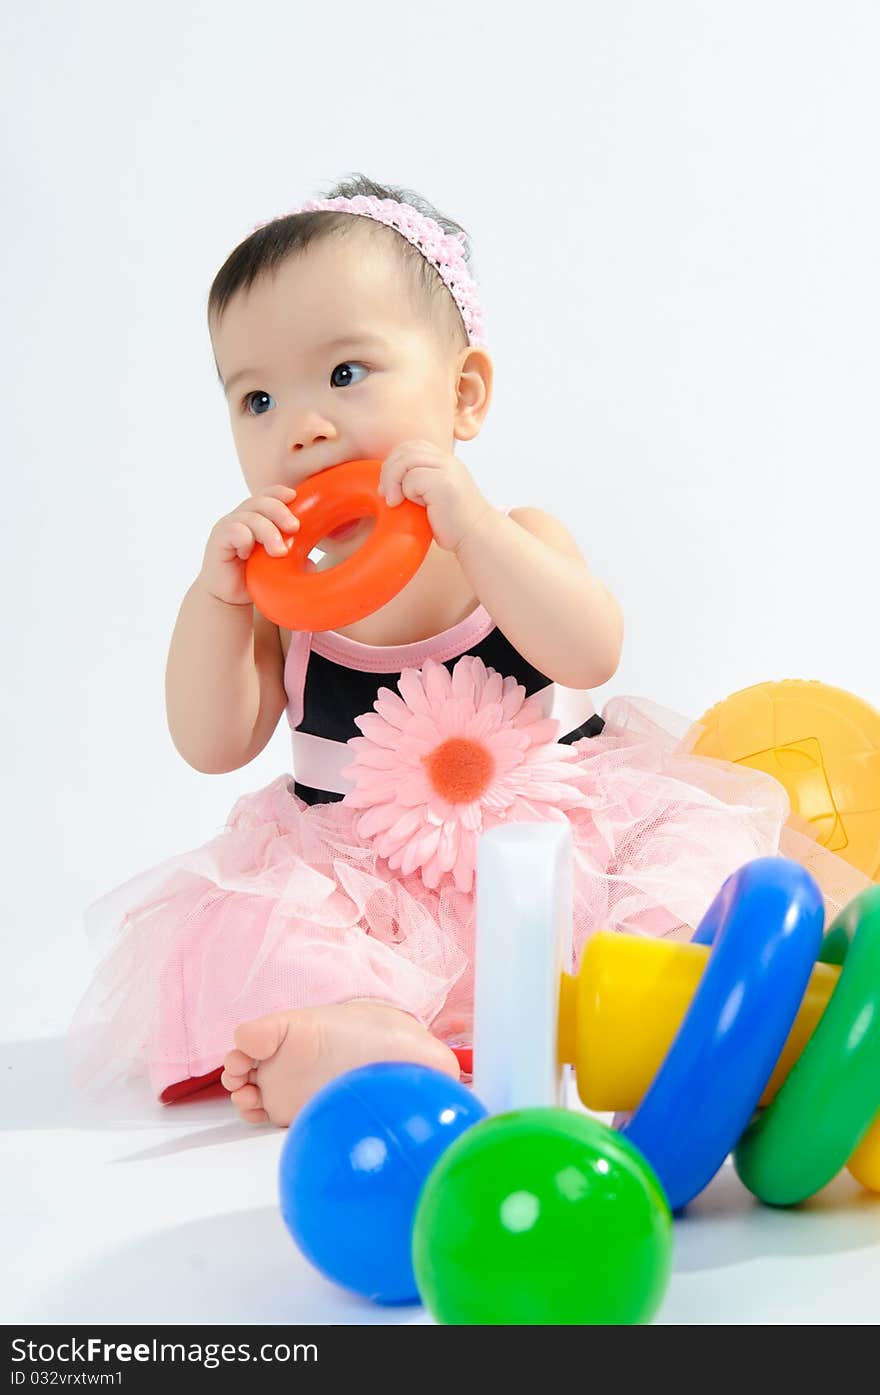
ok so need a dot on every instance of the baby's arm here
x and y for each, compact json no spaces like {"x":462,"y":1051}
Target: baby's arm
{"x":530,"y":575}
{"x":224,"y":683}
{"x":224,"y":686}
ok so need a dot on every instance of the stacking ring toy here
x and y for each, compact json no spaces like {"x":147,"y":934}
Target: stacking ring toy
{"x":827,"y":1104}
{"x":623,"y":1019}
{"x":524,"y":896}
{"x":765,"y":928}
{"x":287,"y":594}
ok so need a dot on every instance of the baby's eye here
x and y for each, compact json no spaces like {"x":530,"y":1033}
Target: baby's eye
{"x":261,"y":397}
{"x":345,"y":368}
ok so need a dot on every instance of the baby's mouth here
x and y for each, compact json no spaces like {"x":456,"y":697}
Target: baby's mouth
{"x":346,"y":530}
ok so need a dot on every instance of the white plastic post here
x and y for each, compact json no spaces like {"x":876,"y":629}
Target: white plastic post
{"x":523,"y":919}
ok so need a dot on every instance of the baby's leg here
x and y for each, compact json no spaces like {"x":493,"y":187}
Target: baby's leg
{"x":280,"y":1061}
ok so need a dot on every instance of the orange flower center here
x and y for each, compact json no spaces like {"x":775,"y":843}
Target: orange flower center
{"x":460,"y":769}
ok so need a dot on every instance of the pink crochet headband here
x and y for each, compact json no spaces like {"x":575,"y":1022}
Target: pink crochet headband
{"x":443,"y":250}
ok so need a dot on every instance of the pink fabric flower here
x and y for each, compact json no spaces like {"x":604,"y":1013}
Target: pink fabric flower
{"x":450,"y":757}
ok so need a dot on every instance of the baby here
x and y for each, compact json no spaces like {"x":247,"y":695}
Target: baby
{"x":331,"y":924}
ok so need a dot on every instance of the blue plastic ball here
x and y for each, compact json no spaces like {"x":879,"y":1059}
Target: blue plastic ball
{"x":353,"y":1166}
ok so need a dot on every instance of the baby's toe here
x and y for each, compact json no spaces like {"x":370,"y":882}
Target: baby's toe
{"x":232,"y":1082}
{"x":260,"y":1039}
{"x":255,"y":1116}
{"x":247,"y":1097}
{"x":238,"y":1063}
{"x":238,"y":1070}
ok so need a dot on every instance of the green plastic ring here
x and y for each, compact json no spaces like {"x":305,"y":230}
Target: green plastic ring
{"x":830,"y":1098}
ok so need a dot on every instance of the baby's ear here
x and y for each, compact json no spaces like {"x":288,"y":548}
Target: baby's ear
{"x":474,"y":393}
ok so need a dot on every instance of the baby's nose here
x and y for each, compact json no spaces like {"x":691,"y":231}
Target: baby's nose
{"x":307,"y":426}
{"x":308,"y":439}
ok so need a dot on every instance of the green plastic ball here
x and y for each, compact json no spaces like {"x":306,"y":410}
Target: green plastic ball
{"x":542,"y":1216}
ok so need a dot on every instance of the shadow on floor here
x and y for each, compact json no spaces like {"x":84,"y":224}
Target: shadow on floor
{"x":38,"y":1093}
{"x":241,"y":1267}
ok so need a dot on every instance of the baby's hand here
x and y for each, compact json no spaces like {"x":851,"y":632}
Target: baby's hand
{"x":265,"y":519}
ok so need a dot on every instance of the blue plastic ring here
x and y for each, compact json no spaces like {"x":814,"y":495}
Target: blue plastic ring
{"x":765,"y":927}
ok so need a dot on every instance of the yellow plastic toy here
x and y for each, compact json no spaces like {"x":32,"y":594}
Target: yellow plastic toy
{"x":617,"y":1020}
{"x":626,"y":980}
{"x":823,"y":745}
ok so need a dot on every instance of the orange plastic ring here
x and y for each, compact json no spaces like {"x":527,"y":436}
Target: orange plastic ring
{"x":288,"y":594}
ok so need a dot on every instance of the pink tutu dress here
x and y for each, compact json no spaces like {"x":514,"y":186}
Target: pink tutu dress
{"x":355,"y":878}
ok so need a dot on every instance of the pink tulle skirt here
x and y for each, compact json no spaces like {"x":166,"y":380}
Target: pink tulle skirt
{"x":288,"y":907}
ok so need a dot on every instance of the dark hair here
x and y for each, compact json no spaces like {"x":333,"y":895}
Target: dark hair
{"x":265,"y":249}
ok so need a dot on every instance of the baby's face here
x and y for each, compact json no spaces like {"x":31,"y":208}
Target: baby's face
{"x":328,"y":361}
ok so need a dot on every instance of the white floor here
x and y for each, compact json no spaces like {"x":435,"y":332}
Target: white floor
{"x":175,"y":1219}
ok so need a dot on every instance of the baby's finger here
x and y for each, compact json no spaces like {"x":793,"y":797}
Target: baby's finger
{"x":391,"y":482}
{"x":266,"y":532}
{"x":278,"y":492}
{"x":278,"y":511}
{"x":281,"y":491}
{"x":238,"y":537}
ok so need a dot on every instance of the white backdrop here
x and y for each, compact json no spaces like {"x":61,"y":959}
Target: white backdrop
{"x":674,"y":211}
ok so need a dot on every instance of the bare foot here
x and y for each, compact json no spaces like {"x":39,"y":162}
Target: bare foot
{"x":280,"y":1061}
